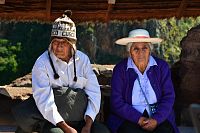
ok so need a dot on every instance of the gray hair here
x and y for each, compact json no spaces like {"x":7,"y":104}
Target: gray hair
{"x":128,"y":46}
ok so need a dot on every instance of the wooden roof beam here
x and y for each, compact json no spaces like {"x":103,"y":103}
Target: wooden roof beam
{"x":181,"y":8}
{"x":81,"y":16}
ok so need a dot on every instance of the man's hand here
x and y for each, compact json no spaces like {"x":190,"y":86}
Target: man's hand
{"x":88,"y":124}
{"x":66,"y":128}
{"x":150,"y":125}
{"x":85,"y":130}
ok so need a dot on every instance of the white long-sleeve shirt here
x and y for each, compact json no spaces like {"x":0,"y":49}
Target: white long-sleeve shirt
{"x":138,"y":99}
{"x":43,"y":81}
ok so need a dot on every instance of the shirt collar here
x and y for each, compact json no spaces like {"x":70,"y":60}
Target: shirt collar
{"x":131,"y":64}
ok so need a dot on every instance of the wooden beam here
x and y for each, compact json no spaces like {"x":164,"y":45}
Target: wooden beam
{"x":48,"y":9}
{"x":181,"y":8}
{"x":81,"y":16}
{"x":24,"y":16}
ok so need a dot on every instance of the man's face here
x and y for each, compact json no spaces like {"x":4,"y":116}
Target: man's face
{"x":62,"y":48}
{"x":140,"y":52}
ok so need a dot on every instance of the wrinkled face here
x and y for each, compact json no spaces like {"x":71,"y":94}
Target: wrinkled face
{"x":61,"y":48}
{"x":140,"y":52}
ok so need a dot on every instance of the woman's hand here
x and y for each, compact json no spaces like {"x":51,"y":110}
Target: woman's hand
{"x":142,"y":121}
{"x":150,"y":125}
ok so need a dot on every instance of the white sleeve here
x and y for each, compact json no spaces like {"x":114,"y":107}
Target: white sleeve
{"x":43,"y":94}
{"x":92,"y":89}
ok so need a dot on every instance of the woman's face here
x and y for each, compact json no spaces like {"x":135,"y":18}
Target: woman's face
{"x":61,"y":48}
{"x":140,"y":52}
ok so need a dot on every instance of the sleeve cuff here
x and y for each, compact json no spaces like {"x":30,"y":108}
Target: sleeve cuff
{"x":57,"y":120}
{"x":91,"y":114}
{"x":55,"y":117}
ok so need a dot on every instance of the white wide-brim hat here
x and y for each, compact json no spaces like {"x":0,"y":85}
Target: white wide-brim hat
{"x":138,"y":35}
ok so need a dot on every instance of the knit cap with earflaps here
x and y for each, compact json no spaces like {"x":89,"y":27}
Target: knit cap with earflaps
{"x":64,"y":27}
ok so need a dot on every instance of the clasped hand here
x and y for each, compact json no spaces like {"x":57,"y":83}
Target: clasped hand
{"x":148,"y":124}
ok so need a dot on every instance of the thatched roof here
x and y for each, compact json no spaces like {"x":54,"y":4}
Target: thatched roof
{"x":101,"y":10}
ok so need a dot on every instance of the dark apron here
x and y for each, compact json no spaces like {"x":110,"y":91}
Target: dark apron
{"x":71,"y":104}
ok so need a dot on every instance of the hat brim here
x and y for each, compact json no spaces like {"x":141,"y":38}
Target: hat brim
{"x":125,"y":41}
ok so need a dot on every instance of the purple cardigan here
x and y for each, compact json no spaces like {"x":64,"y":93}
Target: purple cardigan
{"x":121,"y":95}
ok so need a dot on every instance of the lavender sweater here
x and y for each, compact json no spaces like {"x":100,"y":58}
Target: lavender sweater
{"x":121,"y":96}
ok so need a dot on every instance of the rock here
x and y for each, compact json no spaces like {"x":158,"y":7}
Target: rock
{"x":21,"y":87}
{"x":186,"y":75}
{"x":190,"y":68}
{"x":103,"y":73}
{"x":24,"y":81}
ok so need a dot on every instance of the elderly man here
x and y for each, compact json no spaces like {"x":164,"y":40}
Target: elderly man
{"x":58,"y":76}
{"x":142,"y":94}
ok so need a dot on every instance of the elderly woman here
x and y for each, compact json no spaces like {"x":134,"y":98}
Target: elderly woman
{"x":142,"y":94}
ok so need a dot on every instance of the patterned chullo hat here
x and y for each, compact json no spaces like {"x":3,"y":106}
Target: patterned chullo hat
{"x":65,"y":27}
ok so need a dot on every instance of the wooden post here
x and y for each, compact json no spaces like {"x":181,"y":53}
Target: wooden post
{"x":2,"y":1}
{"x":111,"y":1}
{"x":108,"y":13}
{"x":110,"y":7}
{"x":181,"y":8}
{"x":48,"y":10}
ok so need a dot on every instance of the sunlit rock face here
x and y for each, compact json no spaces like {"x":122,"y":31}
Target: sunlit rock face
{"x":190,"y":68}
